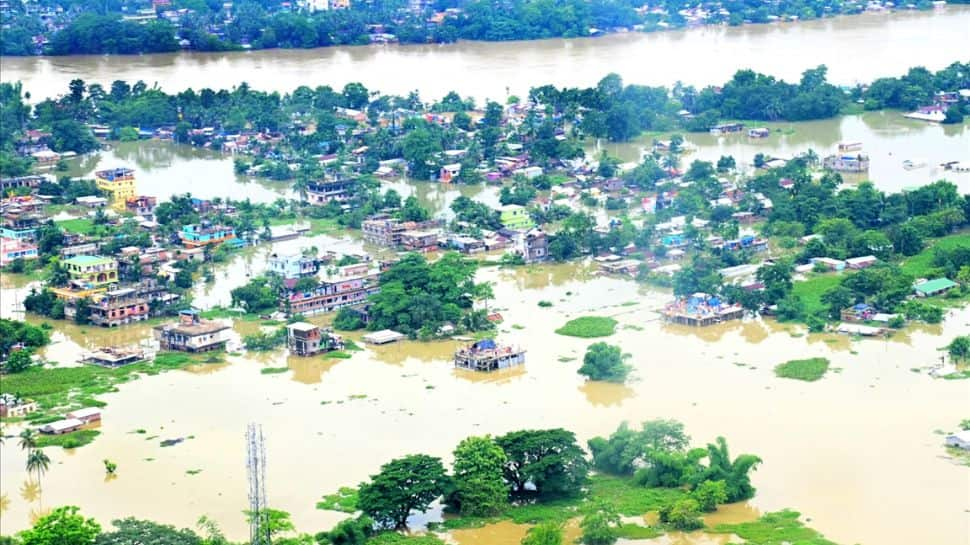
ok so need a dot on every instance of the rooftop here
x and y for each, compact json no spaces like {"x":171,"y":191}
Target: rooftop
{"x":82,"y":260}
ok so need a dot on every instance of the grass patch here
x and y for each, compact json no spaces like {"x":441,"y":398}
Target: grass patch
{"x":351,"y":346}
{"x":344,"y":500}
{"x":633,"y":327}
{"x":74,"y":439}
{"x":545,"y":304}
{"x":517,"y":326}
{"x":83,"y":226}
{"x":772,"y":528}
{"x":921,"y":264}
{"x":809,"y":370}
{"x":338,"y":355}
{"x":810,"y":291}
{"x":635,"y":531}
{"x":566,"y":359}
{"x":193,"y":471}
{"x":273,"y":370}
{"x":588,"y":327}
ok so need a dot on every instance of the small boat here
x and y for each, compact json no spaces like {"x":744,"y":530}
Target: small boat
{"x":911,"y":164}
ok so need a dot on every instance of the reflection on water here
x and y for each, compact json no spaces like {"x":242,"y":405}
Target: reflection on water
{"x":732,"y":513}
{"x":607,"y":394}
{"x":682,"y":538}
{"x":163,"y":169}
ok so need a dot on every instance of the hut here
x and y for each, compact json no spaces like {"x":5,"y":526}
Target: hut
{"x":486,"y":355}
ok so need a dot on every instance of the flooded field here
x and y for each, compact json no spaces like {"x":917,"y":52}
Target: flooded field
{"x":860,"y":441}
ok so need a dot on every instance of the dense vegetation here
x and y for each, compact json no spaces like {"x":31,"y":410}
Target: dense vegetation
{"x":588,"y":327}
{"x":96,"y":27}
{"x":809,"y":370}
{"x":605,"y":362}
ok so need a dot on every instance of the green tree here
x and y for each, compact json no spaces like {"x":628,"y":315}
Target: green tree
{"x":683,"y":514}
{"x":274,"y":522}
{"x":63,"y":526}
{"x":600,"y":526}
{"x":480,"y":488}
{"x":38,"y":462}
{"x":627,"y":449}
{"x":734,"y":473}
{"x":28,"y":439}
{"x":18,"y":361}
{"x":605,"y":362}
{"x":549,"y":460}
{"x":709,"y":494}
{"x":132,"y":531}
{"x":403,"y":485}
{"x":353,"y":531}
{"x":959,"y":347}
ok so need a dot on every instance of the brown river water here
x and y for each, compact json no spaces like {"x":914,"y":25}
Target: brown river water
{"x":855,"y":48}
{"x":858,"y":453}
{"x":863,"y":440}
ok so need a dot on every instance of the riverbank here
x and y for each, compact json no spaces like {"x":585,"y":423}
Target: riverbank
{"x":495,"y":69}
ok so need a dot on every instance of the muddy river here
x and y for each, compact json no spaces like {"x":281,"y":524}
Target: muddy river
{"x":854,"y":48}
{"x":863,"y":440}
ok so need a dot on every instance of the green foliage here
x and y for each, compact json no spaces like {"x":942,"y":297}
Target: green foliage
{"x":772,"y":528}
{"x":588,"y":327}
{"x":132,"y":531}
{"x":683,"y":514}
{"x":63,"y":526}
{"x":344,"y":500}
{"x":348,"y":319}
{"x":809,"y":370}
{"x":734,"y":473}
{"x":959,"y":347}
{"x":353,"y":531}
{"x":626,"y":449}
{"x":13,"y":332}
{"x":548,"y":460}
{"x":709,"y":494}
{"x":403,"y":485}
{"x":262,"y":342}
{"x":605,"y":362}
{"x":478,"y":477}
{"x":74,"y":439}
{"x":18,"y":361}
{"x":258,"y":295}
{"x":547,"y":533}
{"x":600,"y":526}
{"x":417,"y":296}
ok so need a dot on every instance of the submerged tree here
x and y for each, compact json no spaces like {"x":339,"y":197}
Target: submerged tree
{"x":38,"y":462}
{"x":403,"y":485}
{"x":734,"y":473}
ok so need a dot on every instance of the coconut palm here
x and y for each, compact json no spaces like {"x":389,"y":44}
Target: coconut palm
{"x":28,"y":440}
{"x":38,"y":462}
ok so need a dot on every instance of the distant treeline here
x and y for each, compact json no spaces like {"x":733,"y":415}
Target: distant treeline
{"x":95,"y":27}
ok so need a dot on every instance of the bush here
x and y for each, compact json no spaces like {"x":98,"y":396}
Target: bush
{"x":682,"y":515}
{"x":808,"y":370}
{"x":605,"y":362}
{"x":588,"y":327}
{"x":348,"y":319}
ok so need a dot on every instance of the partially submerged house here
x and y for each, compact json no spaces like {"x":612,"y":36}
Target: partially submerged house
{"x":305,"y":339}
{"x":192,"y":333}
{"x":383,"y":336}
{"x":486,"y":355}
{"x":701,"y":309}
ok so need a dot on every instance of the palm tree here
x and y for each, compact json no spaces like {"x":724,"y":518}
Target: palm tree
{"x":28,"y":440}
{"x":733,"y":473}
{"x":37,"y":461}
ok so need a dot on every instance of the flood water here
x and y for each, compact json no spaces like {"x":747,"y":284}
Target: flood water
{"x":855,"y":49}
{"x":862,"y":440}
{"x":887,"y":138}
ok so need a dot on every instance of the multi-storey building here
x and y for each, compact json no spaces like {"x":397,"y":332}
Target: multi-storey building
{"x":91,"y":270}
{"x":196,"y":236}
{"x":118,"y":183}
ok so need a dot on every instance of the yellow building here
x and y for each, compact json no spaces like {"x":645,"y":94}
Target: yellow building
{"x":118,"y":183}
{"x":92,"y":271}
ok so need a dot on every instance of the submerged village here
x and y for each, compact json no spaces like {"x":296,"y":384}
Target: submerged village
{"x":533,"y":355}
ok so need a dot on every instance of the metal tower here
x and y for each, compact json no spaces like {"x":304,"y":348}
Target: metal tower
{"x":259,"y":531}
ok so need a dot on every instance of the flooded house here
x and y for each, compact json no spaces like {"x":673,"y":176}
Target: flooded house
{"x":92,"y":270}
{"x":13,"y":406}
{"x":847,"y":163}
{"x":535,"y":246}
{"x":305,"y":339}
{"x":205,"y":234}
{"x":12,"y":249}
{"x":30,"y":182}
{"x":293,"y":265}
{"x":142,"y":205}
{"x":384,"y":336}
{"x":192,"y":333}
{"x":759,"y":132}
{"x":115,"y":356}
{"x":350,"y":286}
{"x":118,"y":307}
{"x":419,"y":240}
{"x":727,"y":128}
{"x":61,"y":427}
{"x":383,"y":230}
{"x":701,"y":309}
{"x":516,"y":217}
{"x":323,"y":192}
{"x":86,"y":414}
{"x":487,"y":355}
{"x":118,"y":184}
